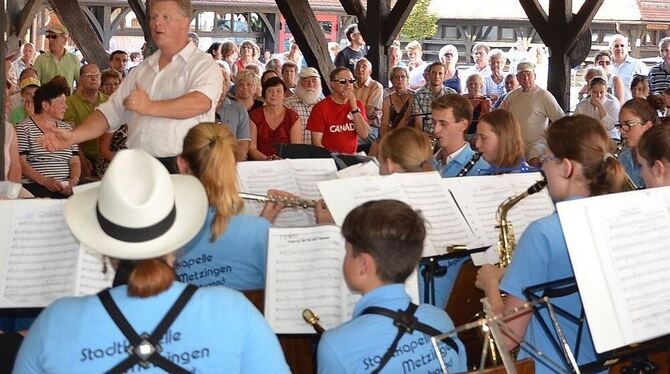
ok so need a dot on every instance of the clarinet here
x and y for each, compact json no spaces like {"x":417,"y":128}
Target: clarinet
{"x":466,"y":169}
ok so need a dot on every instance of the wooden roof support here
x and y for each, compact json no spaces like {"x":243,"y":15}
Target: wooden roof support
{"x":20,"y":14}
{"x":81,"y":31}
{"x":141,"y":12}
{"x":379,"y":25}
{"x":559,"y":31}
{"x":308,"y":35}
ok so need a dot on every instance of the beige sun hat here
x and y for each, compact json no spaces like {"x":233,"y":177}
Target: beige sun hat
{"x":138,"y":210}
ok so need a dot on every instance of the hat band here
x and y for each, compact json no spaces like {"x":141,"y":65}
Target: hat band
{"x":133,"y":234}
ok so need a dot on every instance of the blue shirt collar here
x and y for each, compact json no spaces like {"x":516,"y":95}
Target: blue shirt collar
{"x":380,"y":295}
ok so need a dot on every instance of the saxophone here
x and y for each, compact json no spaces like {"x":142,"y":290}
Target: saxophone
{"x":630,"y":185}
{"x":507,"y":241}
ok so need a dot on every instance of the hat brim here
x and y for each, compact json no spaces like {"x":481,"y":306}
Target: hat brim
{"x":191,"y":211}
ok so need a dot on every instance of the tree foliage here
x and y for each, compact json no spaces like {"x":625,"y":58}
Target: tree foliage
{"x":421,"y":24}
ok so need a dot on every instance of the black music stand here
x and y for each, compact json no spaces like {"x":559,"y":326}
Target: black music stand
{"x":434,"y":270}
{"x":301,"y":151}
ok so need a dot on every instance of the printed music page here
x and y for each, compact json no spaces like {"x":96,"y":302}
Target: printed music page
{"x":39,"y":256}
{"x":531,"y":208}
{"x":445,"y":224}
{"x":621,"y":263}
{"x":95,"y":272}
{"x":366,"y":169}
{"x":304,"y":270}
{"x":298,"y":177}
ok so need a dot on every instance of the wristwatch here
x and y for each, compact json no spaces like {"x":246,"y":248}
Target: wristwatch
{"x":357,"y":110}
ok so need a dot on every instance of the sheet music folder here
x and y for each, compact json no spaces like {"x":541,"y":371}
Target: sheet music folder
{"x":40,"y":260}
{"x":620,"y":253}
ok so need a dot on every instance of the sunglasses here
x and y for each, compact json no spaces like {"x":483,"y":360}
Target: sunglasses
{"x":345,"y":81}
{"x":603,"y":62}
{"x":52,"y":36}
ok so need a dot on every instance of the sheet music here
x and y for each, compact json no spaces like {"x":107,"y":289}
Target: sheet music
{"x":293,"y":282}
{"x":95,"y":272}
{"x":618,"y":248}
{"x":445,"y":224}
{"x":636,"y":261}
{"x":366,"y":169}
{"x":40,"y":254}
{"x":298,"y":177}
{"x":305,"y":271}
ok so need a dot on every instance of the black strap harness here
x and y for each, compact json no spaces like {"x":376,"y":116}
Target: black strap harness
{"x":406,"y":323}
{"x":142,"y":347}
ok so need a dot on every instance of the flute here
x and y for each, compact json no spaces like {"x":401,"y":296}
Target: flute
{"x":290,"y":202}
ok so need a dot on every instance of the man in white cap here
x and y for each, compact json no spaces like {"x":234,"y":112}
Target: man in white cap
{"x":57,"y":61}
{"x":150,"y":318}
{"x":308,"y":92}
{"x":533,"y":107}
{"x":167,"y":94}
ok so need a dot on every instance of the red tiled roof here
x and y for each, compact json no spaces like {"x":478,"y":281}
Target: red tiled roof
{"x":655,"y":10}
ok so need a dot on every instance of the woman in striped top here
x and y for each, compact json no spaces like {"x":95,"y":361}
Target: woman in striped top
{"x":47,"y":174}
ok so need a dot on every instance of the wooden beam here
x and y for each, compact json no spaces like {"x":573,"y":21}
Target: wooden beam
{"x":141,"y":12}
{"x":309,"y":36}
{"x":20,"y":25}
{"x":537,"y":17}
{"x":355,"y":8}
{"x":81,"y":31}
{"x":581,"y":21}
{"x":396,"y":19}
{"x":377,"y":15}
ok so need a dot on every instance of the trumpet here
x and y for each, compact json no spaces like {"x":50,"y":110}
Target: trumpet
{"x":289,"y":202}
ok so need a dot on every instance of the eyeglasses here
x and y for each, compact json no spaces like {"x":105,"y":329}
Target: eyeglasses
{"x":53,"y":36}
{"x":344,"y":81}
{"x":626,"y":126}
{"x":399,"y":77}
{"x":91,"y":75}
{"x":603,"y":62}
{"x":547,"y":158}
{"x":618,"y":45}
{"x":448,"y":54}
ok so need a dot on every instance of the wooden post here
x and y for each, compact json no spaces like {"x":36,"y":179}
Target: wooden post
{"x":308,"y":35}
{"x":559,"y":31}
{"x":81,"y":31}
{"x":141,"y":13}
{"x":20,"y":15}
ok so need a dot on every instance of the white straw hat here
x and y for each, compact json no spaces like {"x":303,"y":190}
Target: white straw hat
{"x":138,"y":210}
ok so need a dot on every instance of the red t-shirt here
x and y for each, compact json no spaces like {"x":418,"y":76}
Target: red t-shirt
{"x":266,"y":136}
{"x":336,"y":123}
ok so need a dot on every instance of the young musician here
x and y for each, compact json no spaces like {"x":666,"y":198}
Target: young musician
{"x":577,"y":163}
{"x":653,"y":151}
{"x":384,"y":240}
{"x":498,"y":139}
{"x":231,"y":248}
{"x":216,"y":329}
{"x":636,"y":117}
{"x":451,"y":116}
{"x":405,"y":150}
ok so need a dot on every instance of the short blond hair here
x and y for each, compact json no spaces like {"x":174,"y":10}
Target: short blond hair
{"x":184,"y":6}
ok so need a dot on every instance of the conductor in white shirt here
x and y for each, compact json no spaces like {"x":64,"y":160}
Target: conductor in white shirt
{"x":163,"y":97}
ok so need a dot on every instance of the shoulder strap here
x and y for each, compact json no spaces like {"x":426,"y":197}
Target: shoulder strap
{"x":142,"y":347}
{"x":406,"y":322}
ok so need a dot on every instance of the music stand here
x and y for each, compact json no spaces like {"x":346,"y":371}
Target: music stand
{"x":301,"y":151}
{"x":433,"y":269}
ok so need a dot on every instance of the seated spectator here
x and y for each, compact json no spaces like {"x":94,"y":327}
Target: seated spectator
{"x":192,"y":341}
{"x":397,"y":106}
{"x":449,"y":57}
{"x":28,"y":87}
{"x":639,"y":86}
{"x":11,"y":148}
{"x":601,"y":106}
{"x":406,"y":150}
{"x":110,"y":142}
{"x":274,"y":64}
{"x":246,"y":85}
{"x":494,"y":84}
{"x":234,"y":116}
{"x":480,"y":104}
{"x":267,"y":75}
{"x":384,"y":240}
{"x":47,"y":174}
{"x":591,"y":72}
{"x":16,"y":100}
{"x":249,"y":54}
{"x":289,"y":73}
{"x":273,"y":123}
{"x":308,"y":92}
{"x":229,"y":54}
{"x":511,"y":84}
{"x":603,"y":59}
